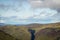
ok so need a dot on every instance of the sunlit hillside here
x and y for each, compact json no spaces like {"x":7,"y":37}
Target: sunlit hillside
{"x":20,"y":33}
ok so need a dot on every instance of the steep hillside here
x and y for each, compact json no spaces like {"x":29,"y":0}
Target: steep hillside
{"x":48,"y":34}
{"x":5,"y":36}
{"x":18,"y":32}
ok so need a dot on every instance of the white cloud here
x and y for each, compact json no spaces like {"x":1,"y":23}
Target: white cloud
{"x":44,"y":14}
{"x":54,"y":4}
{"x":26,"y":14}
{"x":37,"y":14}
{"x":2,"y":21}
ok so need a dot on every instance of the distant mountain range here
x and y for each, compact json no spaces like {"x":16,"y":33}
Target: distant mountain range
{"x":35,"y":25}
{"x":32,"y":25}
{"x":2,"y":24}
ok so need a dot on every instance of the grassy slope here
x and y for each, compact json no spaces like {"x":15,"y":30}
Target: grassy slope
{"x":17,"y":32}
{"x":21,"y":32}
{"x":5,"y":36}
{"x":40,"y":27}
{"x":48,"y":34}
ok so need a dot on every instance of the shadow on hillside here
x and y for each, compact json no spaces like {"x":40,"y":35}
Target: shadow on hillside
{"x":58,"y":38}
{"x":5,"y":36}
{"x":32,"y":33}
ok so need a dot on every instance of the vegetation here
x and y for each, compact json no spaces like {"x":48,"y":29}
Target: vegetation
{"x":48,"y":34}
{"x":21,"y":32}
{"x":5,"y":36}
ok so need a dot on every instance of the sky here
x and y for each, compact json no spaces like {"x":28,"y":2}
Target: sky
{"x":29,"y":11}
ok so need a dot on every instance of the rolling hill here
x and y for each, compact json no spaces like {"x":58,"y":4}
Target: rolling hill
{"x":48,"y":34}
{"x":5,"y":36}
{"x":17,"y":32}
{"x":21,"y":32}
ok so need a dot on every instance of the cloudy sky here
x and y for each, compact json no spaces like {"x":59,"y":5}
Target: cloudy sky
{"x":29,"y":11}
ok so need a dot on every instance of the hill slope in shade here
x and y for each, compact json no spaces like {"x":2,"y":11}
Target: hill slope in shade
{"x":48,"y":34}
{"x":5,"y":36}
